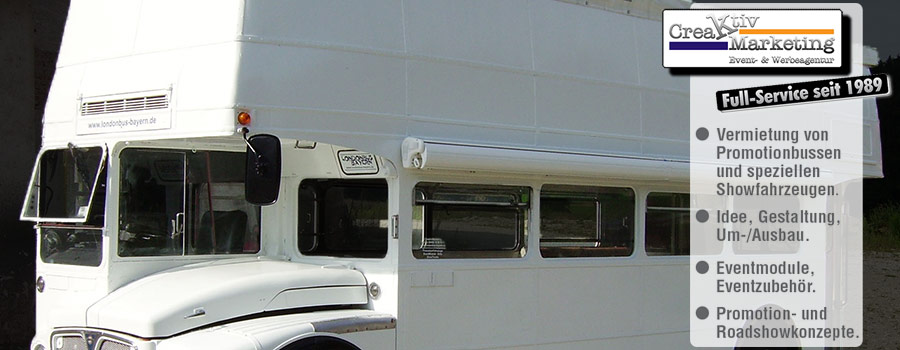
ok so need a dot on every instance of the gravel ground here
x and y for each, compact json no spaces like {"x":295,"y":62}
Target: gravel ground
{"x":881,"y":300}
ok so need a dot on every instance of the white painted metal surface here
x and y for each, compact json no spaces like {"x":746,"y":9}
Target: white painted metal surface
{"x":185,"y":298}
{"x":278,"y":331}
{"x":448,"y":156}
{"x":509,"y":92}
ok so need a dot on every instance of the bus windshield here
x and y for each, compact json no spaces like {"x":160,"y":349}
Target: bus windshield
{"x":66,"y":198}
{"x":63,"y":185}
{"x":184,"y":202}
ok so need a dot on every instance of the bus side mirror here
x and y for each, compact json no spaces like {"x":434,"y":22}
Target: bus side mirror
{"x":262,"y":180}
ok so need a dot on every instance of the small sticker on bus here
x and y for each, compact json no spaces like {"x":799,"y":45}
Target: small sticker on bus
{"x":357,"y":163}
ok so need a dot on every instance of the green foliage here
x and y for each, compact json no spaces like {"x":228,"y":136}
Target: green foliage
{"x":877,"y":192}
{"x":881,"y":228}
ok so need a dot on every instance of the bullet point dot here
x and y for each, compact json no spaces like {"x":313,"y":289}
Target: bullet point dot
{"x":702,"y":134}
{"x":702,"y":215}
{"x":702,"y":313}
{"x":702,"y":267}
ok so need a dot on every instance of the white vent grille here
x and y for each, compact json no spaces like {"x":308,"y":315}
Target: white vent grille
{"x":123,"y":105}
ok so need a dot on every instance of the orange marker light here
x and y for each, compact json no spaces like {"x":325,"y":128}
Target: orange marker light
{"x":243,"y":118}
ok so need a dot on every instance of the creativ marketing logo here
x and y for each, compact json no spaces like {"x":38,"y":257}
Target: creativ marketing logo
{"x":735,"y":38}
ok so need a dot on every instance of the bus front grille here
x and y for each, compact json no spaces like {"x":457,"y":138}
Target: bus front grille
{"x":114,"y":345}
{"x":70,"y":342}
{"x":84,"y":339}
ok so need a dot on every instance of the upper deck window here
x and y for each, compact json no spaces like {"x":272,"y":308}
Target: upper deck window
{"x":179,"y":202}
{"x":469,"y":221}
{"x":582,"y":221}
{"x":343,"y":218}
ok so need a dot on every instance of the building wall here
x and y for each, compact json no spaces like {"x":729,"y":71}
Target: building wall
{"x":30,"y":33}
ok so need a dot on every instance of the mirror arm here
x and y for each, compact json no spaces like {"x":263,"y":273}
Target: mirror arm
{"x":261,"y":163}
{"x":244,"y":132}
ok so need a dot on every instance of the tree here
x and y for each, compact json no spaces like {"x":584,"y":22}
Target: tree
{"x":886,"y":190}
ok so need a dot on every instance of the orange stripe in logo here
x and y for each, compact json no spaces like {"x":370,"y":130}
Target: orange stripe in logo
{"x":786,"y":31}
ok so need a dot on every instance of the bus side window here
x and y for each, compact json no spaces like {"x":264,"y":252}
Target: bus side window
{"x":343,"y":218}
{"x":469,"y":221}
{"x":586,"y":221}
{"x":668,"y":230}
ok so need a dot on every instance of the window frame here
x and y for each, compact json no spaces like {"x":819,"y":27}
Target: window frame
{"x":186,"y":148}
{"x":648,"y":208}
{"x":559,"y":190}
{"x":298,"y":208}
{"x":33,"y":193}
{"x":523,"y":213}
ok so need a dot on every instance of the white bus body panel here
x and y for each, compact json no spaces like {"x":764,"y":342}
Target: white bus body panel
{"x":531,"y":91}
{"x":185,"y":298}
{"x":278,"y":331}
{"x":637,"y":301}
{"x":513,"y":73}
{"x":534,"y":74}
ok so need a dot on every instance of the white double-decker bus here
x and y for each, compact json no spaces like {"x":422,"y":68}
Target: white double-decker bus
{"x":378,"y":174}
